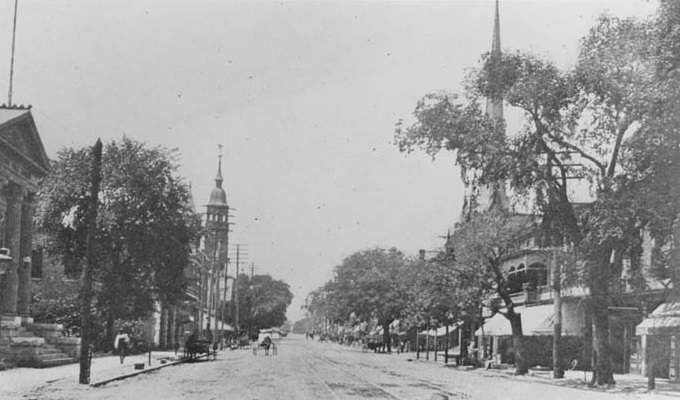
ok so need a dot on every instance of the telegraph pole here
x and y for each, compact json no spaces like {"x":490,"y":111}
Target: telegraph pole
{"x":224,"y":296}
{"x":86,"y":289}
{"x":238,"y":253}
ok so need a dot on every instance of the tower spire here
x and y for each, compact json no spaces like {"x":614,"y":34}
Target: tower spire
{"x":480,"y":197}
{"x":494,"y":105}
{"x":218,"y":179}
{"x":496,"y":41}
{"x":218,"y":197}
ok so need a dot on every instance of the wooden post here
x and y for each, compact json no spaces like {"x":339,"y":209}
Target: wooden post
{"x":446,"y":343}
{"x":86,"y":287}
{"x":417,"y":343}
{"x":427,"y":342}
{"x":558,"y":371}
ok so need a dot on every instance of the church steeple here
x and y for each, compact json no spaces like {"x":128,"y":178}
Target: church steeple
{"x":479,"y":198}
{"x":494,"y":106}
{"x":496,"y":41}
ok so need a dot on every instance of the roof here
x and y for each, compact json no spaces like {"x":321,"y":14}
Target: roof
{"x":8,"y":114}
{"x":536,"y":320}
{"x":664,"y":320}
{"x":441,"y":331}
{"x":218,"y":197}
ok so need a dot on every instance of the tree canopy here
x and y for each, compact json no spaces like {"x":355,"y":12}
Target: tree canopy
{"x":369,"y":286}
{"x":263,"y":301}
{"x":145,"y":225}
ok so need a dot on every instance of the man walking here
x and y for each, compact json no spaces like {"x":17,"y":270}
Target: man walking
{"x":120,"y":343}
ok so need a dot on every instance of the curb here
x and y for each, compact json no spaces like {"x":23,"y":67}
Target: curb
{"x":131,"y":374}
{"x":143,"y":371}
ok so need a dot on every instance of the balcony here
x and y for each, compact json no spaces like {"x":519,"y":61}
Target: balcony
{"x":191,"y":292}
{"x":531,"y":295}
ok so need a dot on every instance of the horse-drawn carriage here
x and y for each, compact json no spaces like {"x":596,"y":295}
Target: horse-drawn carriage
{"x":195,"y":347}
{"x":266,"y":344}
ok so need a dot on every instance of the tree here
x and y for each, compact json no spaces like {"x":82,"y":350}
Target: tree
{"x":481,"y":244}
{"x":324,"y":306}
{"x":370,"y":286}
{"x":263,"y":302}
{"x":440,"y":294}
{"x":609,"y":122}
{"x":145,"y":226}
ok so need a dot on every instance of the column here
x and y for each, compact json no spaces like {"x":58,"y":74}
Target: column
{"x":8,"y":306}
{"x":644,"y":355}
{"x":25,"y":262}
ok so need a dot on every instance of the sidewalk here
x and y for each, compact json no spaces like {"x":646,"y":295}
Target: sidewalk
{"x":16,"y":381}
{"x":625,"y":383}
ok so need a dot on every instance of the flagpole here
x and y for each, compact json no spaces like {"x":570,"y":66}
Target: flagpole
{"x":11,"y":66}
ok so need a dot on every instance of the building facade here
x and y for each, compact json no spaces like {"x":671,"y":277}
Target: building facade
{"x":23,"y":162}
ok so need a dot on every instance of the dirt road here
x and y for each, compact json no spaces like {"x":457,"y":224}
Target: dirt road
{"x":306,"y":370}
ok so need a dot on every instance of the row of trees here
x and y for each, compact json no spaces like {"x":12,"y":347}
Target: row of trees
{"x":378,"y":286}
{"x":610,"y":121}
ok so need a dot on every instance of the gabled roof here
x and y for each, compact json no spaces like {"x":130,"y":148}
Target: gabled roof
{"x":24,"y":142}
{"x":8,"y":114}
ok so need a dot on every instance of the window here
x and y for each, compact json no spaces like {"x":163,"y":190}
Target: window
{"x":514,"y":285}
{"x":537,"y":275}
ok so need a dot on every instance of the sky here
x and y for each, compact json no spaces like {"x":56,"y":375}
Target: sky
{"x":303,"y":95}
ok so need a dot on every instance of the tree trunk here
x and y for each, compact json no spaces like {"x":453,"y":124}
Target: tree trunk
{"x":522,"y":364}
{"x":603,"y":372}
{"x":386,"y":337}
{"x":601,"y":276}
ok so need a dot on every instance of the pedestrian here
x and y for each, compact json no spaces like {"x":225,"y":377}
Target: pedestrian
{"x":121,"y":343}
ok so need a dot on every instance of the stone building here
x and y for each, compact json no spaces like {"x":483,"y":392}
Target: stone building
{"x":23,"y":162}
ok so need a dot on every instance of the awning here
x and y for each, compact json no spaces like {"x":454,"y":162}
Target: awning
{"x":663,"y":321}
{"x":441,"y":331}
{"x":538,"y":320}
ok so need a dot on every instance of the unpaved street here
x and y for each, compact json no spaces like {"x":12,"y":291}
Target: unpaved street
{"x":305,"y":370}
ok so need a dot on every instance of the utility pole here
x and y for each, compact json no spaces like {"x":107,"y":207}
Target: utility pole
{"x":252,"y":299}
{"x":86,"y":289}
{"x":238,"y":253}
{"x":216,"y":286}
{"x":223,"y":301}
{"x":558,"y":371}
